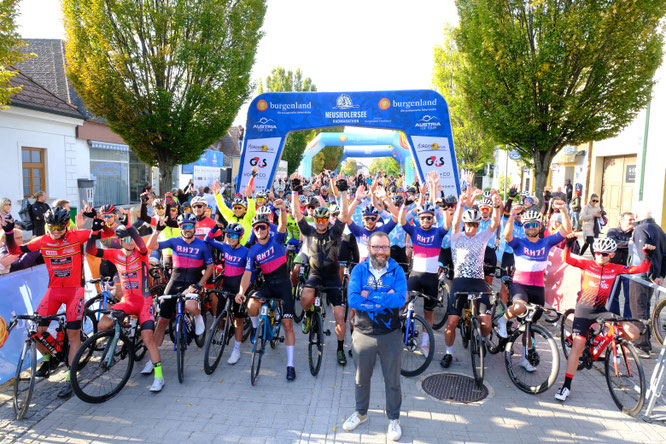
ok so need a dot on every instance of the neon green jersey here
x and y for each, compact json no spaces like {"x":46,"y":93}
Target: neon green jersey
{"x":245,"y":221}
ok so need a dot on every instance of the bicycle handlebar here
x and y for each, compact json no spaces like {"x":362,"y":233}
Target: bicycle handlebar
{"x":414,"y":294}
{"x":166,"y":297}
{"x":105,"y":279}
{"x":34,"y":318}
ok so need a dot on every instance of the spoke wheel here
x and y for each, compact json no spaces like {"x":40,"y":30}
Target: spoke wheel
{"x":441,"y":314}
{"x":316,"y":344}
{"x":659,"y":321}
{"x":298,"y":308}
{"x":494,"y":341}
{"x":464,"y":332}
{"x":345,"y":287}
{"x":100,"y":368}
{"x":139,"y":347}
{"x":541,"y":354}
{"x":413,"y":360}
{"x":566,"y":335}
{"x":216,"y":341}
{"x":625,"y":378}
{"x":477,"y":351}
{"x":257,"y":352}
{"x":181,"y":346}
{"x":24,"y":379}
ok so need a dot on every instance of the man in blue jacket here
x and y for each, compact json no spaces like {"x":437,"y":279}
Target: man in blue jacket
{"x":377,"y":291}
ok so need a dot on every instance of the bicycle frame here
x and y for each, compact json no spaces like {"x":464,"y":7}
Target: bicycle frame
{"x":186,"y":321}
{"x":409,"y":330}
{"x":270,"y":329}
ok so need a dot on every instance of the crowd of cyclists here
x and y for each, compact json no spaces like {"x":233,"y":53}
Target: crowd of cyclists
{"x":244,"y":244}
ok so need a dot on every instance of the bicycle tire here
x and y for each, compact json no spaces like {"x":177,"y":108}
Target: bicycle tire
{"x":477,"y":352}
{"x":315,"y":343}
{"x":139,"y":347}
{"x":464,"y":332}
{"x":90,"y":319}
{"x":658,"y":324}
{"x":626,"y":354}
{"x":441,"y":314}
{"x":542,"y":378}
{"x":95,"y":372}
{"x":257,"y":351}
{"x":566,"y":336}
{"x":411,"y":350}
{"x":345,"y":287}
{"x":494,"y":342}
{"x":23,"y":387}
{"x":276,"y":337}
{"x":298,"y":308}
{"x":247,"y":328}
{"x":216,"y":341}
{"x":181,"y":345}
{"x":200,"y":340}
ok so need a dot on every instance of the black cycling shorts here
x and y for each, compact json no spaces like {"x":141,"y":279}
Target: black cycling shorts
{"x":457,"y":304}
{"x":168,"y":307}
{"x":426,"y":283}
{"x":489,"y":261}
{"x":532,"y":294}
{"x":279,"y":289}
{"x":348,"y":249}
{"x":334,"y":297}
{"x":399,"y":254}
{"x":446,"y":259}
{"x":585,"y":316}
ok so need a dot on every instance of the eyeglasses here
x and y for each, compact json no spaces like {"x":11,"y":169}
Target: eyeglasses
{"x":602,"y":254}
{"x":529,"y":225}
{"x":260,"y":227}
{"x":198,"y":206}
{"x":187,"y":227}
{"x":126,"y":239}
{"x":233,"y":235}
{"x":380,"y":247}
{"x":321,"y":220}
{"x":425,"y":218}
{"x":57,"y":227}
{"x":109,"y":216}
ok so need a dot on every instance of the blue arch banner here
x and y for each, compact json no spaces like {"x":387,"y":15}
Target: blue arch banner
{"x":422,"y":115}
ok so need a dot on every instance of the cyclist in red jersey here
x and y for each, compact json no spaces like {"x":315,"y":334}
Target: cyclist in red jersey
{"x":204,"y":223}
{"x":597,"y":279}
{"x":62,"y":250}
{"x":131,"y":261}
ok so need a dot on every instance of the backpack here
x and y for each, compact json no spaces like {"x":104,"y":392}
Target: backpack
{"x":24,"y":213}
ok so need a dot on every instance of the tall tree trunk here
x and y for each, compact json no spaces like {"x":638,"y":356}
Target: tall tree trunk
{"x":166,"y":173}
{"x":542,"y":161}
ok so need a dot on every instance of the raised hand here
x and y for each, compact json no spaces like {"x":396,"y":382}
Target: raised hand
{"x":476,"y":193}
{"x":360,"y":192}
{"x":279,"y":204}
{"x":78,"y":219}
{"x":423,"y":188}
{"x":469,"y":177}
{"x":516,"y":209}
{"x":215,"y":187}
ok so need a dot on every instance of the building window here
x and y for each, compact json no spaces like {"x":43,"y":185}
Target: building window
{"x":110,"y":169}
{"x":33,"y":170}
{"x":138,"y":174}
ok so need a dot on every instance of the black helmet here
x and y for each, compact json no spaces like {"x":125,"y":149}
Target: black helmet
{"x":235,"y":228}
{"x":313,"y":202}
{"x":451,"y":199}
{"x":397,"y":200}
{"x":186,"y":218}
{"x":411,"y":190}
{"x":321,"y":212}
{"x":260,"y":219}
{"x":57,"y":216}
{"x":122,"y":231}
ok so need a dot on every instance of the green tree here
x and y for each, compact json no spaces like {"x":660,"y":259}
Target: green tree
{"x":10,"y":52}
{"x":281,"y":80}
{"x":350,"y":168}
{"x":540,"y":75}
{"x":327,"y":159}
{"x":386,"y":164}
{"x":473,"y":148}
{"x":168,"y":76}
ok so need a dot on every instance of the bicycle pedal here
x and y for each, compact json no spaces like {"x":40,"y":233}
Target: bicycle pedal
{"x":281,"y":338}
{"x":327,"y":332}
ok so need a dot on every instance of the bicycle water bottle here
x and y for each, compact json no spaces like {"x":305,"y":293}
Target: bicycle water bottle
{"x":60,"y":339}
{"x":596,"y":343}
{"x":47,"y":340}
{"x":271,"y":317}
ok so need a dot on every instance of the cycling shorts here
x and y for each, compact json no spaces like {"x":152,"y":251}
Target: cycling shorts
{"x":508,"y":264}
{"x":138,"y":306}
{"x":279,"y":289}
{"x":348,"y":250}
{"x":334,"y":297}
{"x":585,"y":316}
{"x":457,"y":303}
{"x":489,"y":261}
{"x":399,"y":254}
{"x":446,"y":259}
{"x":74,"y":300}
{"x":426,"y":283}
{"x":532,"y":294}
{"x":168,"y":307}
{"x":230,"y":285}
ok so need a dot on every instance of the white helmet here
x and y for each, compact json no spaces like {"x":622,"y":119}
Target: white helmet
{"x":264,"y":210}
{"x":604,"y":245}
{"x":531,"y":216}
{"x":198,"y":200}
{"x":471,"y":216}
{"x":334,"y":209}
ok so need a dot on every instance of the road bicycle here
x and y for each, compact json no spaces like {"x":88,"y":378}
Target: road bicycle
{"x":348,"y":267}
{"x":302,"y":278}
{"x":415,"y":357}
{"x":221,"y":331}
{"x":26,"y":369}
{"x":470,"y":332}
{"x":183,"y":329}
{"x":441,"y":312}
{"x":622,"y":366}
{"x":317,"y":332}
{"x":104,"y":363}
{"x":268,"y":331}
{"x":102,"y":300}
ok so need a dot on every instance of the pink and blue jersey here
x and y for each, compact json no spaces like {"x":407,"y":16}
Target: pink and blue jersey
{"x":426,"y":245}
{"x":362,"y":235}
{"x":531,"y":258}
{"x":189,"y":260}
{"x":271,"y":258}
{"x":234,"y":258}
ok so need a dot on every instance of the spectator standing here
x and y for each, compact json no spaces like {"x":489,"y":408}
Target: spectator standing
{"x":377,"y":291}
{"x":575,"y":208}
{"x":6,"y":208}
{"x":37,"y":210}
{"x":568,"y":191}
{"x":210,"y":199}
{"x":589,"y":216}
{"x":646,"y":231}
{"x":622,"y":235}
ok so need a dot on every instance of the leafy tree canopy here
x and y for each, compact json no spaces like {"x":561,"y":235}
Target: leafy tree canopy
{"x":10,"y":53}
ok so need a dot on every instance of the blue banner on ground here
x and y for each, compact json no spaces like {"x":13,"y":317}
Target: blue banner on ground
{"x":210,"y":158}
{"x":422,"y":115}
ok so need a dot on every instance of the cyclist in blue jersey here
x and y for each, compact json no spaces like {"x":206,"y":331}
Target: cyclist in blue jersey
{"x":192,"y":267}
{"x":235,"y":258}
{"x":269,"y":254}
{"x":370,"y":216}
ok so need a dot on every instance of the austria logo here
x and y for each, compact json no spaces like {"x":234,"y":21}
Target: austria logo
{"x":265,"y":124}
{"x":428,"y":122}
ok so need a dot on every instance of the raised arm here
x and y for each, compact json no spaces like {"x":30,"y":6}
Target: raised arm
{"x":497,"y":211}
{"x":282,"y":222}
{"x":565,"y":229}
{"x":457,"y":216}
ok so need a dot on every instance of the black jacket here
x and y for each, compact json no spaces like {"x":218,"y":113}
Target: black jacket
{"x":648,"y":232}
{"x":622,"y":239}
{"x":37,"y":211}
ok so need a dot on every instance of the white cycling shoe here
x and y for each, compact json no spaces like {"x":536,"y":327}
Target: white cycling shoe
{"x":235,"y":356}
{"x":148,"y":369}
{"x":158,"y":383}
{"x":524,"y":363}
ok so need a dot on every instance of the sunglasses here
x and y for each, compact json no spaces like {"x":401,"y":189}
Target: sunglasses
{"x":187,"y":227}
{"x":372,"y":219}
{"x":173,"y":209}
{"x":472,"y":224}
{"x":529,"y":225}
{"x":425,"y":218}
{"x":310,"y":207}
{"x":233,"y":235}
{"x":109,"y":216}
{"x":197,"y":206}
{"x":602,"y":254}
{"x":126,"y":239}
{"x":260,"y":228}
{"x":321,"y":220}
{"x":57,"y":227}
{"x":484,"y":208}
{"x":158,"y":207}
{"x":262,"y":199}
{"x":595,"y":201}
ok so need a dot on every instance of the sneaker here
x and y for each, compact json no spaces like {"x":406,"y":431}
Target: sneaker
{"x":394,"y":431}
{"x":47,"y":368}
{"x":305,"y":325}
{"x":235,"y":356}
{"x":148,"y":368}
{"x":355,"y":420}
{"x":446,"y":361}
{"x":158,"y":383}
{"x":342,"y":360}
{"x":291,"y":373}
{"x":562,"y":394}
{"x":642,"y":353}
{"x":524,"y":363}
{"x":501,"y":330}
{"x":66,"y":391}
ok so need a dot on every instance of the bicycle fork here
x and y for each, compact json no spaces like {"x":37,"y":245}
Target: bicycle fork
{"x":111,"y":346}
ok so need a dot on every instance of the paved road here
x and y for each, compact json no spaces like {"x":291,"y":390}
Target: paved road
{"x":224,"y":407}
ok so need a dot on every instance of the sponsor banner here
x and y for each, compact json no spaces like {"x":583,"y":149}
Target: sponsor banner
{"x":561,"y":281}
{"x":435,"y":154}
{"x":262,"y":155}
{"x":209,"y":158}
{"x":204,"y":176}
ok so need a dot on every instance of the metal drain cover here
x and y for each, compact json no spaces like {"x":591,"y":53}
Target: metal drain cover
{"x":452,"y":387}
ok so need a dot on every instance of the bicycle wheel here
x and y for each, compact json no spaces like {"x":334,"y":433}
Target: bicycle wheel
{"x":413,"y":360}
{"x":625,"y":378}
{"x":107,"y":370}
{"x":494,"y":341}
{"x":315,"y":344}
{"x":181,"y":346}
{"x":24,"y":379}
{"x":477,"y":350}
{"x":442,"y":309}
{"x":464,"y":332}
{"x":345,"y":286}
{"x":201,"y":339}
{"x":257,"y":352}
{"x":659,"y":321}
{"x":90,"y":319}
{"x":298,"y":308}
{"x":542,"y":355}
{"x":216,"y":341}
{"x":247,"y":328}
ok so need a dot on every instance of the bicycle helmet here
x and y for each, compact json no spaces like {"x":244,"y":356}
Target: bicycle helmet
{"x":485,"y":202}
{"x":235,"y":228}
{"x":533,"y":199}
{"x":108,"y":209}
{"x":57,"y":216}
{"x":487,"y":194}
{"x":279,"y":188}
{"x":314,"y":202}
{"x":159,"y":203}
{"x":451,"y":200}
{"x":531,"y":216}
{"x":122,"y":231}
{"x":186,"y":218}
{"x":303,"y":200}
{"x":265,"y":210}
{"x":604,"y":245}
{"x":198,"y":200}
{"x":411,"y":190}
{"x":471,"y":216}
{"x":397,"y":200}
{"x":321,"y":212}
{"x":238,"y":201}
{"x":370,"y":210}
{"x":334,"y":209}
{"x":428,"y":208}
{"x":352,"y":189}
{"x":260,"y":219}
{"x":324,"y":188}
{"x":261,"y":195}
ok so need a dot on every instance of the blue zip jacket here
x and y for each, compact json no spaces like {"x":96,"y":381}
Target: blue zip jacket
{"x":379,"y":312}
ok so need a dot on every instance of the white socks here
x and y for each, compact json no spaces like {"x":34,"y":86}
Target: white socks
{"x":449,"y":350}
{"x":199,"y":325}
{"x":290,"y":355}
{"x":255,"y":321}
{"x":424,"y":339}
{"x":236,"y":345}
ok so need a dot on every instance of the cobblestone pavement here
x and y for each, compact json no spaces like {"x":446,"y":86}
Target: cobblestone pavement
{"x":224,"y":407}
